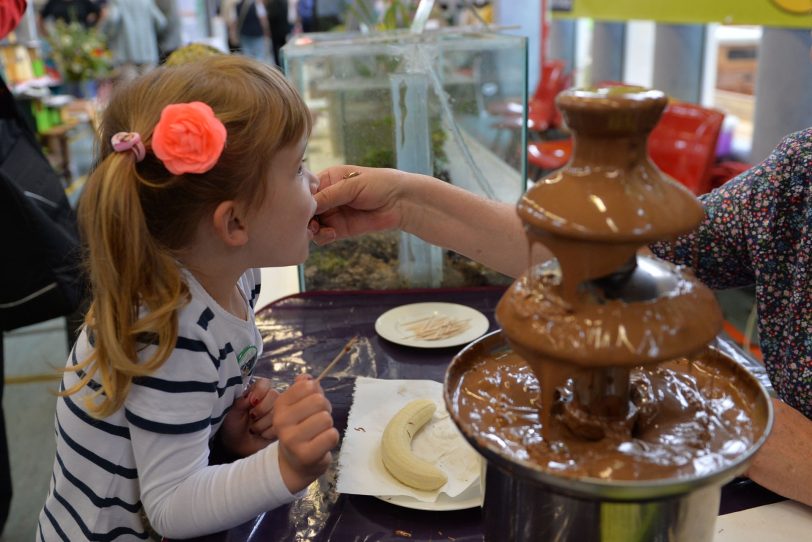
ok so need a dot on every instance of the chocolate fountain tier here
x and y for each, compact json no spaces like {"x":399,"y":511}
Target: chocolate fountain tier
{"x":658,"y":312}
{"x":717,"y":422}
{"x":634,"y":109}
{"x":610,"y":190}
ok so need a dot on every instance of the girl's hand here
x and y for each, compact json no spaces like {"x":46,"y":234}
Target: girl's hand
{"x":301,"y":417}
{"x":248,"y":426}
{"x":349,"y":205}
{"x":261,"y":396}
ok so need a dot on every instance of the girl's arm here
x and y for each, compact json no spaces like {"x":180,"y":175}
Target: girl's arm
{"x":183,"y":496}
{"x":487,"y":231}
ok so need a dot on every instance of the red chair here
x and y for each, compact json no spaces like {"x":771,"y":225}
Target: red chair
{"x":683,"y":144}
{"x":722,"y":172}
{"x":546,"y":156}
{"x":542,"y":114}
{"x":541,"y":106}
{"x":541,"y":111}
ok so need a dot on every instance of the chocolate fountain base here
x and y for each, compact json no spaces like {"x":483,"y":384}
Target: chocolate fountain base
{"x":522,"y":510}
{"x":524,"y":502}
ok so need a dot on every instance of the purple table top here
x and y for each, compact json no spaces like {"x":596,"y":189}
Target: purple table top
{"x":302,"y":334}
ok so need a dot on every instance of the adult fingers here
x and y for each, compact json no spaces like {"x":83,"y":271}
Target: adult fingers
{"x":335,"y":174}
{"x":325,"y":236}
{"x":336,"y":195}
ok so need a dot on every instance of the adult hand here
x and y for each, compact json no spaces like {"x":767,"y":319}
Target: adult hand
{"x":353,"y":200}
{"x":301,"y":416}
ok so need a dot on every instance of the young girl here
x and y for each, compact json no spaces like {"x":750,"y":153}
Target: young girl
{"x":199,"y":181}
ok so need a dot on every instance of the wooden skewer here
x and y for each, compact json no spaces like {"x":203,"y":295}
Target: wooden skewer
{"x":347,"y":348}
{"x":436,"y":328}
{"x":412,"y":322}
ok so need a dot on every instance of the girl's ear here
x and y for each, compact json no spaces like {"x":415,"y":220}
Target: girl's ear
{"x":228,"y":220}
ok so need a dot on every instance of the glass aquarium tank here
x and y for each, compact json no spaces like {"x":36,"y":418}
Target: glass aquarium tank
{"x":430,"y":103}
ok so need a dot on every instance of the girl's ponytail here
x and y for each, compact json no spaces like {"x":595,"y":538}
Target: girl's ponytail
{"x":128,"y":269}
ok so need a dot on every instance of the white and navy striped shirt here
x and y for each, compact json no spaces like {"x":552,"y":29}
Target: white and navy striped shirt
{"x":150,"y":458}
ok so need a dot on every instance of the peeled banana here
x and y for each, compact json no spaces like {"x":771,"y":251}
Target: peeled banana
{"x":396,"y":447}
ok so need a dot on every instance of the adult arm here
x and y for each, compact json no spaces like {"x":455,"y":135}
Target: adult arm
{"x":486,"y":231}
{"x":757,"y":231}
{"x":782,"y":464}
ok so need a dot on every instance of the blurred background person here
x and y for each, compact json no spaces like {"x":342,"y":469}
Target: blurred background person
{"x":169,"y":38}
{"x":85,"y":12}
{"x":228,"y":13}
{"x":132,"y":28}
{"x":280,"y":27}
{"x":329,"y":14}
{"x":249,"y":27}
{"x":43,"y":279}
{"x":305,"y":16}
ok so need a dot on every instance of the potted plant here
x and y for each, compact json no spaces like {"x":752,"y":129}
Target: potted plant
{"x":81,"y":54}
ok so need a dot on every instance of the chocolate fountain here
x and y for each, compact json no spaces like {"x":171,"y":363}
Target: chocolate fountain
{"x":602,"y":410}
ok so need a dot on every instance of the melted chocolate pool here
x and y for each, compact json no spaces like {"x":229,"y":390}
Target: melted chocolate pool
{"x":686,"y":418}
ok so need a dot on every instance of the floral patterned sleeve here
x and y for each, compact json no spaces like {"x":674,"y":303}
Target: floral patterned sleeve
{"x":758,"y":230}
{"x":717,"y":249}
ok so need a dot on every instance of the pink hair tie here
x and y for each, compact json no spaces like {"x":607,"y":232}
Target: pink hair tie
{"x":129,"y":141}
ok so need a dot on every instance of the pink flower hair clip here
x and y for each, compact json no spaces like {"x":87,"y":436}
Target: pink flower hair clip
{"x":188,"y":138}
{"x":129,"y":141}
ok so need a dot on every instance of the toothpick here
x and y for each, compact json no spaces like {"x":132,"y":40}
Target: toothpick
{"x":347,"y":348}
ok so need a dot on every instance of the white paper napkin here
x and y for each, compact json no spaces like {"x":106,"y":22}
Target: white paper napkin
{"x":375,"y":401}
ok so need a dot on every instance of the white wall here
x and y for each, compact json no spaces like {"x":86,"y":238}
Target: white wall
{"x":277,"y":282}
{"x":638,"y":67}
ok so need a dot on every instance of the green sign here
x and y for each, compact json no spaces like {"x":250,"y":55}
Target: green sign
{"x":780,"y":13}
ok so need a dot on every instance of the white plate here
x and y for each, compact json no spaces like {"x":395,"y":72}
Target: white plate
{"x":392,"y":325}
{"x":470,"y":498}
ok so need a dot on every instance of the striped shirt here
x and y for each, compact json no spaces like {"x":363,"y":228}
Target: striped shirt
{"x":150,"y":459}
{"x":758,"y":231}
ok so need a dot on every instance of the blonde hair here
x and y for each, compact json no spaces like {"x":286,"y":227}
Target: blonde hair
{"x":134,"y":216}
